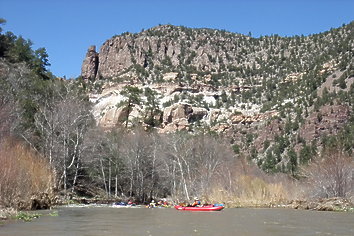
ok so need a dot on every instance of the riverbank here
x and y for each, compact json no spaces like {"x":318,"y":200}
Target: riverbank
{"x":7,"y":213}
{"x":39,"y":201}
{"x":323,"y":204}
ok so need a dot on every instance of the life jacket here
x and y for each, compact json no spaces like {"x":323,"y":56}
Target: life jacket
{"x":196,"y":203}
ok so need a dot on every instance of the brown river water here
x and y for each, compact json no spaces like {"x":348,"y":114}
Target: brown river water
{"x":104,"y":220}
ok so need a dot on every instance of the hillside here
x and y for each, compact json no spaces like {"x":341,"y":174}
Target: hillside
{"x":177,"y":112}
{"x":268,"y":95}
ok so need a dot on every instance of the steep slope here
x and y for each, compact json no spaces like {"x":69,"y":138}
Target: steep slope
{"x":262,"y":93}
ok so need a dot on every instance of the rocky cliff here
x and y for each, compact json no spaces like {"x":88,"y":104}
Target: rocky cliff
{"x":165,"y":45}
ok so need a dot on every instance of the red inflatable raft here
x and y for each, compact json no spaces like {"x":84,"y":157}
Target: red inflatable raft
{"x":201,"y":208}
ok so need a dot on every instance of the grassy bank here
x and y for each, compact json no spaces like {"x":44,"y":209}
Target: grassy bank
{"x":251,"y":191}
{"x":276,"y":191}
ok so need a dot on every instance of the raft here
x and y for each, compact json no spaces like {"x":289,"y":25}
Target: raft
{"x":201,"y":208}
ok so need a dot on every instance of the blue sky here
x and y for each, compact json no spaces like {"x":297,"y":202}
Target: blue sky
{"x":66,"y":28}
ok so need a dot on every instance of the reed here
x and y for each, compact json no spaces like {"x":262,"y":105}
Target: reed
{"x":252,"y":191}
{"x":24,"y":174}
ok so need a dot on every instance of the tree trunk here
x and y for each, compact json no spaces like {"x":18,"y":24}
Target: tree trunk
{"x":109,"y":177}
{"x":76,"y":174}
{"x":103,"y":176}
{"x":116,"y":186}
{"x":64,"y":163}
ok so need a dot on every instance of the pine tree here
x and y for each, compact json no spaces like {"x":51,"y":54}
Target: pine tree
{"x":292,"y":164}
{"x":132,"y":94}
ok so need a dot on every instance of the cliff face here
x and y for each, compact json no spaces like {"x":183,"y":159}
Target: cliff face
{"x":202,"y":49}
{"x":228,"y":58}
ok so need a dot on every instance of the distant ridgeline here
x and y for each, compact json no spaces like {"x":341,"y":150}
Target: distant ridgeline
{"x":217,"y":57}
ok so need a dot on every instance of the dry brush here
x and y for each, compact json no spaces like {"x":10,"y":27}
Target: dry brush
{"x":25,"y":176}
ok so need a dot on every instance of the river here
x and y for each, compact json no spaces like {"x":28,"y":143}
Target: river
{"x":103,"y":220}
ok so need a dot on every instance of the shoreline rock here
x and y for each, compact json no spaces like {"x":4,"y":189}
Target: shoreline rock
{"x":7,"y":213}
{"x":323,"y":204}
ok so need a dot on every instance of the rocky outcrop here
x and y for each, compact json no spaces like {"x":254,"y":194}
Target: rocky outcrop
{"x":113,"y":117}
{"x":180,"y":124}
{"x":37,"y":201}
{"x":243,"y":119}
{"x":175,"y":112}
{"x":115,"y":56}
{"x":198,"y":113}
{"x":90,"y":64}
{"x":179,"y":117}
{"x":121,"y":52}
{"x":328,"y":120}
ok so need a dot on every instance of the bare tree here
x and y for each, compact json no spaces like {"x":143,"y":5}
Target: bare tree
{"x":212,"y":158}
{"x":138,"y":158}
{"x":96,"y":157}
{"x":116,"y":168}
{"x":195,"y":163}
{"x":330,"y":175}
{"x":178,"y":157}
{"x":62,"y":124}
{"x":7,"y":116}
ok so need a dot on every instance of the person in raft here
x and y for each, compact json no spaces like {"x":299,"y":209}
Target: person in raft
{"x":131,"y":203}
{"x":196,"y":202}
{"x":152,"y":204}
{"x":163,"y":202}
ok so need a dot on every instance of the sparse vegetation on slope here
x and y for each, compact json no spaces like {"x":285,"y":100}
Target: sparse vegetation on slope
{"x":182,"y":112}
{"x":231,"y":81}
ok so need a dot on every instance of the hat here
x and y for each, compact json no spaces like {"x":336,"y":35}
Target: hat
{"x":196,"y":198}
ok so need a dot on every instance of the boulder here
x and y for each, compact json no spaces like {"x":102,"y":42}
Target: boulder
{"x":171,"y":76}
{"x":220,"y":128}
{"x":198,"y":113}
{"x":41,"y":201}
{"x":177,"y":125}
{"x":38,"y":201}
{"x":214,"y":115}
{"x":176,"y":111}
{"x":179,"y":116}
